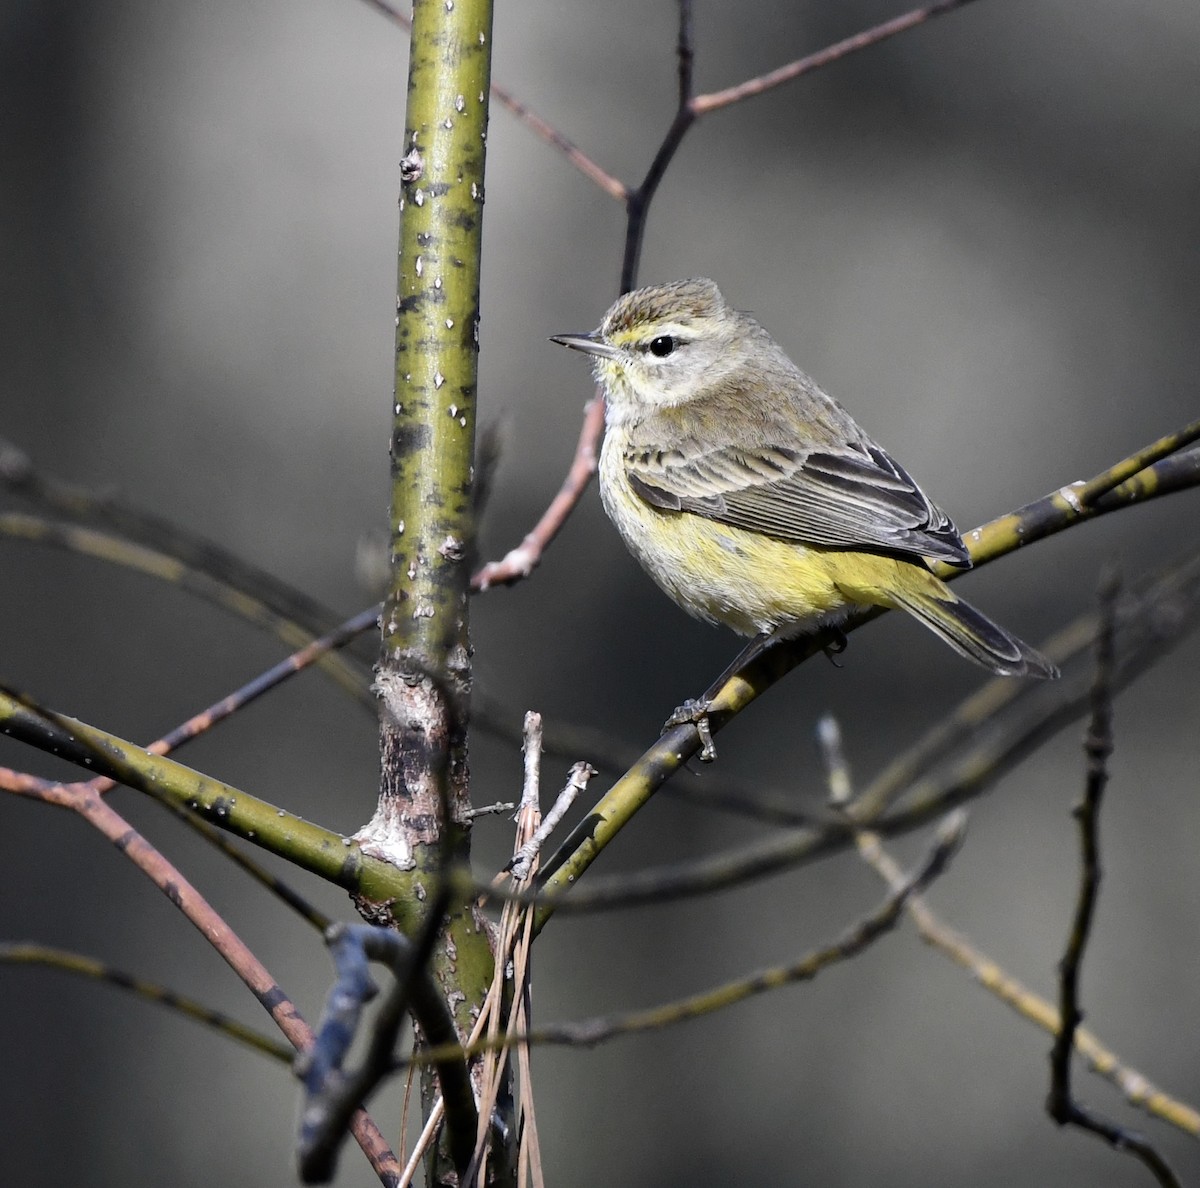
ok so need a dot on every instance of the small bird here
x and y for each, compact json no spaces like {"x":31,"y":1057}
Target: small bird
{"x":752,"y":497}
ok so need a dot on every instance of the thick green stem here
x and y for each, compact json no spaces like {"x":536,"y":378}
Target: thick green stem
{"x":424,"y":680}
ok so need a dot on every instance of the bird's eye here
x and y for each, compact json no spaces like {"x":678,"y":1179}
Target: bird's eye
{"x":662,"y":346}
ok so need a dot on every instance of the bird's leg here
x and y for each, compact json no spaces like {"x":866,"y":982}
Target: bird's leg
{"x":695,"y":710}
{"x":755,"y":648}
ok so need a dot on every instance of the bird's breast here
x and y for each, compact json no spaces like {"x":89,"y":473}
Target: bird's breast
{"x":749,"y":582}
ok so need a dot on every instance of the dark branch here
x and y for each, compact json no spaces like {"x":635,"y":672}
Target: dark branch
{"x":331,"y":1097}
{"x":1060,"y":1103}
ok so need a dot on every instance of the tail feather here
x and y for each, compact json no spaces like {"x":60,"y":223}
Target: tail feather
{"x":973,"y":635}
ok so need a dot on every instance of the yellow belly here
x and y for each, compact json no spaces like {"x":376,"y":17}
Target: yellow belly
{"x":749,"y":582}
{"x":757,"y":584}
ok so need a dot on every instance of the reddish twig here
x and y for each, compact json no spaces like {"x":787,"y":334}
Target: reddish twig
{"x":545,"y":131}
{"x":825,"y":57}
{"x":206,"y":719}
{"x":71,"y":795}
{"x":520,"y":562}
{"x":542,"y":129}
{"x":200,"y":913}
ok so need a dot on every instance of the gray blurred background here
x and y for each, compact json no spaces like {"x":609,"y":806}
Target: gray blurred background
{"x":982,"y":236}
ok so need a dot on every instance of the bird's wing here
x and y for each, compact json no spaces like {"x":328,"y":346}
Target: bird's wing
{"x":847,"y":497}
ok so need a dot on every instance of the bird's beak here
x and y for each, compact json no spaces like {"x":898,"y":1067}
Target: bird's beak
{"x":590,"y":344}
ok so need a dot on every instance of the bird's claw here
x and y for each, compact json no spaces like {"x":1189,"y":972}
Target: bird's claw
{"x":836,"y":646}
{"x":694,"y":712}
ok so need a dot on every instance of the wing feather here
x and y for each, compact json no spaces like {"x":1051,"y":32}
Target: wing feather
{"x":847,"y":497}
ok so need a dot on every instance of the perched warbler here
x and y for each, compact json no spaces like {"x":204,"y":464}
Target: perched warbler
{"x":752,"y":497}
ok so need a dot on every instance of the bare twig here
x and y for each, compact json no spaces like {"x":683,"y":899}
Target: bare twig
{"x":34,"y":786}
{"x":541,"y":128}
{"x":521,"y":865}
{"x":87,"y":967}
{"x":102,"y":816}
{"x":424,"y":1141}
{"x":1137,"y":1089}
{"x":833,"y":53}
{"x":520,"y":562}
{"x":508,"y":1003}
{"x":104,"y":509}
{"x":857,"y":937}
{"x":490,"y":810}
{"x":609,"y":754}
{"x":987,"y":972}
{"x":1153,"y":624}
{"x":638,"y":199}
{"x":232,"y":809}
{"x":207,"y":584}
{"x":544,"y":130}
{"x":531,"y":784}
{"x":1092,"y":492}
{"x":1061,"y":1103}
{"x":330,"y":1096}
{"x":833,"y":754}
{"x":216,"y":713}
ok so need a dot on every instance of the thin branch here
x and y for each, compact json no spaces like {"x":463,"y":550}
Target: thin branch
{"x":637,"y":201}
{"x":327,"y":854}
{"x":1061,"y":1104}
{"x":101,"y":815}
{"x":521,"y":865}
{"x":508,"y":1002}
{"x":1001,"y":697}
{"x":88,"y":967}
{"x":1062,"y":509}
{"x":541,"y":128}
{"x":684,"y":53}
{"x":1090,"y":493}
{"x":1150,"y":626}
{"x":565,"y":740}
{"x":19,"y":475}
{"x":985,"y":971}
{"x":1031,"y":1006}
{"x":837,"y":766}
{"x":520,"y":562}
{"x":331,"y":1097}
{"x":588,"y":1032}
{"x":34,"y":786}
{"x":545,"y":131}
{"x":833,"y":53}
{"x":253,"y":689}
{"x":311,"y":653}
{"x":204,"y":583}
{"x":979,"y":710}
{"x":284,"y":892}
{"x":1156,"y":622}
{"x":425,"y":1140}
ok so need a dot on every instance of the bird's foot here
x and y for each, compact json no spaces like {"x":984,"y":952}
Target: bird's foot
{"x":694,"y":712}
{"x":836,"y":646}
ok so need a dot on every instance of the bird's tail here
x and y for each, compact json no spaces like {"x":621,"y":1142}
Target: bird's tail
{"x":970,"y":632}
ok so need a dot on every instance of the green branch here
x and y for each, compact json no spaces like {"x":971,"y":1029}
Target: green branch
{"x":1114,"y":488}
{"x":322,"y":852}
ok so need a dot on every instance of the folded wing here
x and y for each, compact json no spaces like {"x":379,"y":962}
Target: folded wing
{"x":855,"y":497}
